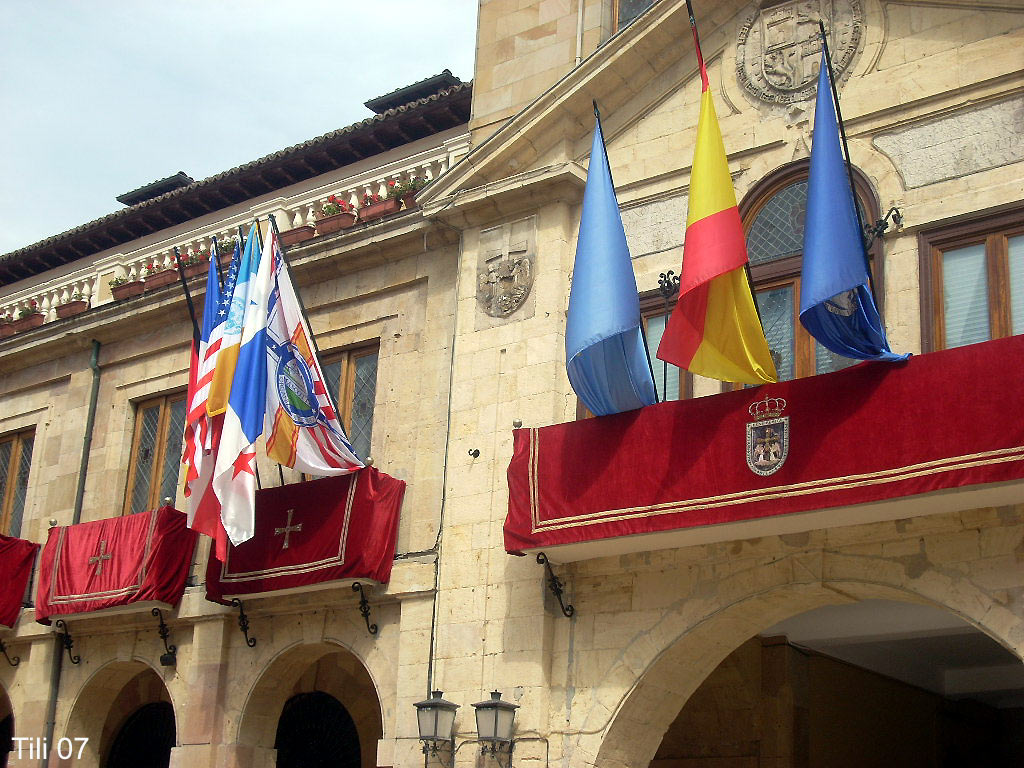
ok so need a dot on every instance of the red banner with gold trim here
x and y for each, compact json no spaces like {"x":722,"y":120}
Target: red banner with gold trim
{"x":871,"y":433}
{"x":114,"y":562}
{"x":314,"y":532}
{"x":17,"y":556}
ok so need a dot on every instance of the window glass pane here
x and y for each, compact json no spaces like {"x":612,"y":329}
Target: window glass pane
{"x":1017,"y":283}
{"x":826,"y":361}
{"x":666,"y":376}
{"x":149,"y":421}
{"x":6,"y":448}
{"x":776,"y":308}
{"x":630,"y":9}
{"x":332,"y":376}
{"x":778,"y":229}
{"x":363,"y":394}
{"x":21,"y":486}
{"x":172,"y":456}
{"x":965,"y":295}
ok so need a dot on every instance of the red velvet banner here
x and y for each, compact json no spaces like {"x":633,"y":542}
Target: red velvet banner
{"x":17,"y":557}
{"x":872,"y":432}
{"x":114,"y":562}
{"x":314,"y":532}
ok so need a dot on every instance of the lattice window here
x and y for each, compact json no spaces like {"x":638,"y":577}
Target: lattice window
{"x":352,"y":380}
{"x":156,"y":452}
{"x":15,"y":461}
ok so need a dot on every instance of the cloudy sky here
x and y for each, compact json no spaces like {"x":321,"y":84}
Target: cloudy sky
{"x":100,"y":97}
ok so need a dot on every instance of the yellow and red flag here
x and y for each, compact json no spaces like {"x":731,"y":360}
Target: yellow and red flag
{"x":714,"y":329}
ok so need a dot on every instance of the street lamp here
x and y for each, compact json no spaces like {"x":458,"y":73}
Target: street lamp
{"x":495,"y":719}
{"x":435,"y":718}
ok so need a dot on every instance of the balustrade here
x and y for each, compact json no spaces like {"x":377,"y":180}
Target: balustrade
{"x":91,"y":283}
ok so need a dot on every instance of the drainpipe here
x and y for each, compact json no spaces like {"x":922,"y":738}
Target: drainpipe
{"x":83,"y":465}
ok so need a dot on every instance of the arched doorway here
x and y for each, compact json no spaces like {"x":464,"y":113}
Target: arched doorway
{"x":6,"y":728}
{"x":316,"y":731}
{"x":125,"y":712}
{"x":317,"y":705}
{"x":146,"y":738}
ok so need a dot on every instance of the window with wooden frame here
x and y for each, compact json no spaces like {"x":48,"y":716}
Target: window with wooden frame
{"x":670,"y":382}
{"x":627,"y":10}
{"x":15,"y":460}
{"x":972,"y":281}
{"x":773,"y":215}
{"x":156,"y":452}
{"x":351,"y":377}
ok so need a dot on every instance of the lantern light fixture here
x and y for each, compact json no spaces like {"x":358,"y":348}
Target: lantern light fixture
{"x":435,"y":718}
{"x":495,"y":721}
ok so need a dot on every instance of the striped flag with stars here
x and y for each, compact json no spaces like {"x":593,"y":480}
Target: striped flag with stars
{"x":202,"y":431}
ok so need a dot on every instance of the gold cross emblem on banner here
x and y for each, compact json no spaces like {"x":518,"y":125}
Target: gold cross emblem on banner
{"x":98,"y":559}
{"x":287,"y":529}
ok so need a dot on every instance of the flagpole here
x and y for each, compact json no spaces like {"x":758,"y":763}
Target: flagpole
{"x":846,"y":153}
{"x":220,"y":275}
{"x":302,"y":308}
{"x":643,"y":333}
{"x":188,"y":298}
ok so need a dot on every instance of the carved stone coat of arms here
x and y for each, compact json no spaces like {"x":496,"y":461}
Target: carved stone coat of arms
{"x":779,"y":47}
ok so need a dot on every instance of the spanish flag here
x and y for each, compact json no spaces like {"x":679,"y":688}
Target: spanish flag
{"x":714,"y":329}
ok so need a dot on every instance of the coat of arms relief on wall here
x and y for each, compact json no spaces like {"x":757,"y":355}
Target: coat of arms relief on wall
{"x":505,"y":270}
{"x":779,"y":48}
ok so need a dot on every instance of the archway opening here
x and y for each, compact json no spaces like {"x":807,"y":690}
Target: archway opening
{"x":146,"y":738}
{"x":875,"y":683}
{"x":316,"y":731}
{"x":317,"y":705}
{"x":6,"y":728}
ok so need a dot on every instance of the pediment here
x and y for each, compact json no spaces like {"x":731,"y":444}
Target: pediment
{"x":638,"y":77}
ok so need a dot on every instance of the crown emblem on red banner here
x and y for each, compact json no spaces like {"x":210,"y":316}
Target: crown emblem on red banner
{"x":769,"y":408}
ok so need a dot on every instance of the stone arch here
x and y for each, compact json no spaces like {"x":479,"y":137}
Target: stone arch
{"x":6,"y":725}
{"x":624,"y":726}
{"x":105,"y":702}
{"x":327,"y":667}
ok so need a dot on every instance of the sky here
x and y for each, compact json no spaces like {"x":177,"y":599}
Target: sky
{"x":98,"y":97}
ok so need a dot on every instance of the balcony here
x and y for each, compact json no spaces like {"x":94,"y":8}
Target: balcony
{"x":875,"y":442}
{"x":90,"y":281}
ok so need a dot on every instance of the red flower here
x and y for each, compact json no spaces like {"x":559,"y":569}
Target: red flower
{"x":391,"y":183}
{"x":332,"y":199}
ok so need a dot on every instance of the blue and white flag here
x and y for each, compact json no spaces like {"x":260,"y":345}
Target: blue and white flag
{"x":234,"y":477}
{"x":606,"y":358}
{"x":836,"y":305}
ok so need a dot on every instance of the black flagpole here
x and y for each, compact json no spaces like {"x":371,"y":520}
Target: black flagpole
{"x":643,"y":333}
{"x":188,"y":299}
{"x":846,"y":154}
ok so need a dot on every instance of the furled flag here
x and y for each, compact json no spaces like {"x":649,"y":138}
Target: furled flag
{"x":302,"y":427}
{"x":714,"y":329}
{"x":606,"y":357}
{"x":202,"y":504}
{"x":836,"y":305}
{"x":234,"y":476}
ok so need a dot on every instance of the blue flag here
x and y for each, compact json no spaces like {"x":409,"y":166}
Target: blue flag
{"x":836,"y":305}
{"x":606,"y":358}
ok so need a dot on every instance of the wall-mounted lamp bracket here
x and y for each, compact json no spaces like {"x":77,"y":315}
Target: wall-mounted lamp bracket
{"x":170,"y":655}
{"x":555,"y":585}
{"x":69,"y":643}
{"x":364,"y":608}
{"x":13,"y":662}
{"x":243,"y":622}
{"x":874,"y":231}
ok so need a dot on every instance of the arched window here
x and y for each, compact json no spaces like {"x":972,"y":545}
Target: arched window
{"x":773,"y":215}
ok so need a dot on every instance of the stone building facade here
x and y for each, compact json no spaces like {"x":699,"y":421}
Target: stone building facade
{"x":463,"y":299}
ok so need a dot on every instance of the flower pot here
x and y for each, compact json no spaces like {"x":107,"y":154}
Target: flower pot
{"x":128,"y":290}
{"x":409,"y":201}
{"x":192,"y":270}
{"x":297,"y":235}
{"x":28,"y":322}
{"x":335,"y":223}
{"x":161,"y":278}
{"x":72,"y":308}
{"x":6,"y":329}
{"x":377,"y":210}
